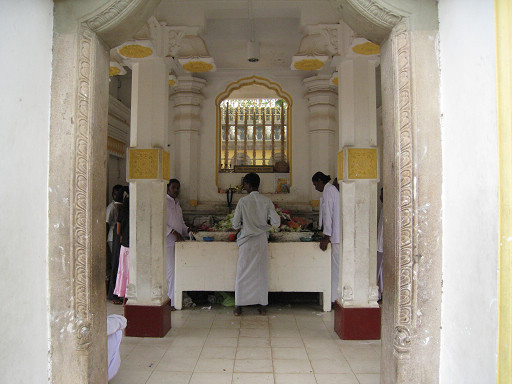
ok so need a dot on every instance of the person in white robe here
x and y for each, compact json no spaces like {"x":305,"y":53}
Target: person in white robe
{"x":329,"y":221}
{"x":252,"y":215}
{"x":115,"y":326}
{"x":176,"y":230}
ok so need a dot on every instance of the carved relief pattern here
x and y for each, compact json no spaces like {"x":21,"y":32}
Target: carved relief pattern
{"x":175,"y":42}
{"x":348,"y":293}
{"x":143,"y":163}
{"x":108,"y":15}
{"x":375,"y":13}
{"x":362,"y":163}
{"x":373,"y":293}
{"x":81,"y":247}
{"x":331,"y":36}
{"x":405,"y":288}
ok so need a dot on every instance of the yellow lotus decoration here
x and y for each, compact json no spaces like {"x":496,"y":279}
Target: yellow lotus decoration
{"x":114,"y":71}
{"x":308,"y":64}
{"x":171,"y":83}
{"x":135,"y":51}
{"x":367,"y":49}
{"x":197,"y":66}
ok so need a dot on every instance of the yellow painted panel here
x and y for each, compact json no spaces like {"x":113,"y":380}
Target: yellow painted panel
{"x":193,"y":203}
{"x":315,"y":203}
{"x":362,"y":163}
{"x":143,"y":163}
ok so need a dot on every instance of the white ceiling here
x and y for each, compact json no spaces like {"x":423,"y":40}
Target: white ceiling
{"x":225,"y":27}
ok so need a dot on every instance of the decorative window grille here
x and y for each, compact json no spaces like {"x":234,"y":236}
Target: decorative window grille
{"x":253,"y":132}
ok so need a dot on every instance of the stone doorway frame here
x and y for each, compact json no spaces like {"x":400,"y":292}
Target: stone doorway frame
{"x":411,"y":313}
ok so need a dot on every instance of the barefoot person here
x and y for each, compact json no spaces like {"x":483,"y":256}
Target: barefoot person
{"x":252,"y":215}
{"x":330,"y":223}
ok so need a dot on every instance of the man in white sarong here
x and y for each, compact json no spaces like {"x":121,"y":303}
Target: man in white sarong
{"x":176,"y":231}
{"x":329,"y":221}
{"x":252,"y":215}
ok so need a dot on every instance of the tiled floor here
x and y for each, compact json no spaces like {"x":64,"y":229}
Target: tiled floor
{"x":290,"y":345}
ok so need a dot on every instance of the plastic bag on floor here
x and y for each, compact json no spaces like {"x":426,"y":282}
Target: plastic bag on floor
{"x":226,"y":299}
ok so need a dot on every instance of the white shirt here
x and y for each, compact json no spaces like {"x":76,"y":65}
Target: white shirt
{"x":252,"y":214}
{"x":330,"y":213}
{"x":174,"y":221}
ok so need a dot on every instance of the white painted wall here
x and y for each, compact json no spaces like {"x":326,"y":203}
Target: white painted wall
{"x":470,"y":192}
{"x":26,"y":28}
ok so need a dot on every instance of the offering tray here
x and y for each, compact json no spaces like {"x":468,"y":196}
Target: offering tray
{"x":284,"y":236}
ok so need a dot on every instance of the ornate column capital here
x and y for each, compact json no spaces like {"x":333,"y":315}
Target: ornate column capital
{"x":187,"y":91}
{"x":320,"y":90}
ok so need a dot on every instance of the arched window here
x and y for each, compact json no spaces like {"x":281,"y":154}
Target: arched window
{"x":253,"y":128}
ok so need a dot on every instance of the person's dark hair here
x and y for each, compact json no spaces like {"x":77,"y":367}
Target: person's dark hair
{"x":253,"y":180}
{"x":173,"y":181}
{"x":320,"y":176}
{"x":116,"y":188}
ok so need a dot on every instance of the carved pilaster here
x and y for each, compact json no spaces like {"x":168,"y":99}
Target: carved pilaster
{"x":81,"y":221}
{"x":406,"y":279}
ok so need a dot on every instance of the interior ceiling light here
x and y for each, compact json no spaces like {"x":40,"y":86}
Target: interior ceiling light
{"x":253,"y":47}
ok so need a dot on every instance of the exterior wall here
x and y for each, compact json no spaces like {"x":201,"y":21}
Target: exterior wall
{"x":301,"y":174}
{"x":25,"y":111}
{"x":470,"y":192}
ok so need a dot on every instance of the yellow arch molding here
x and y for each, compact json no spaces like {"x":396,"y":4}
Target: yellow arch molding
{"x":503,"y":14}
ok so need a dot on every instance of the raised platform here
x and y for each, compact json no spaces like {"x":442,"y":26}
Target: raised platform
{"x":293,"y":267}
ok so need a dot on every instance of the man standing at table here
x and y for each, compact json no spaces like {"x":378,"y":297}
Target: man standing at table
{"x":253,"y":214}
{"x":176,"y":231}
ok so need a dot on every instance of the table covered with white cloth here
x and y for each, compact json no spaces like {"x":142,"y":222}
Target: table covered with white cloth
{"x":293,"y":267}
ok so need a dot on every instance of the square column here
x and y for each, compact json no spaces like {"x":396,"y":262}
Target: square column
{"x":357,"y":314}
{"x":148,"y":173}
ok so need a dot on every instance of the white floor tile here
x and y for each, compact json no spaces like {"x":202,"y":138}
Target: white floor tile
{"x":254,"y":332}
{"x":214,"y":365}
{"x":253,"y":342}
{"x":330,"y":366}
{"x":282,"y":353}
{"x":221,"y":342}
{"x":255,"y":353}
{"x":294,"y":378}
{"x":253,"y":366}
{"x":211,"y":378}
{"x":364,"y":366}
{"x":177,"y":364}
{"x":161,"y":377}
{"x":286,"y":342}
{"x":368,"y":378}
{"x":130,"y":376}
{"x":218,"y":353}
{"x":336,"y":378}
{"x":253,"y":378}
{"x":292,"y":366}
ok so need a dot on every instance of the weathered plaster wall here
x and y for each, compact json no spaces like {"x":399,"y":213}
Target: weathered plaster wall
{"x":25,"y":111}
{"x":470,"y":192}
{"x":301,"y":174}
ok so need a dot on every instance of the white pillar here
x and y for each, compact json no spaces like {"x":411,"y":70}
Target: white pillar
{"x":322,"y":101}
{"x":358,"y":188}
{"x":149,"y":120}
{"x":186,"y":97}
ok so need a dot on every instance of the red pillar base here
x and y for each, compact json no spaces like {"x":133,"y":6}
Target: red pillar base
{"x":357,"y":323}
{"x":147,"y":321}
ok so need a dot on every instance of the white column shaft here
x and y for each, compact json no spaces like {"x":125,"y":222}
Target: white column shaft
{"x":358,"y":129}
{"x":149,"y":121}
